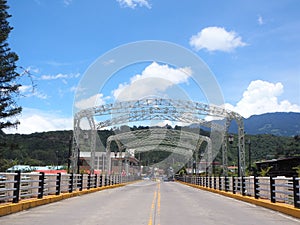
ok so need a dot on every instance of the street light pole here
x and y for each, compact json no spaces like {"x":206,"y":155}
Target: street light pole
{"x":70,"y":153}
{"x":230,"y":140}
{"x":78,"y":162}
{"x":56,"y":159}
{"x":249,"y":143}
{"x":239,"y":161}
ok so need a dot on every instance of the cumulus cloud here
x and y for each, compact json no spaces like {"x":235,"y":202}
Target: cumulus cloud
{"x":216,"y":39}
{"x":90,"y":102}
{"x":154,"y":79}
{"x":34,"y":120}
{"x":134,"y":3}
{"x":262,"y":97}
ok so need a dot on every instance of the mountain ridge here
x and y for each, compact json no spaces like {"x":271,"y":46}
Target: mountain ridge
{"x":278,"y":123}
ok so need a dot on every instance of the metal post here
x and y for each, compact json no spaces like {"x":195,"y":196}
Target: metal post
{"x":243,"y":186}
{"x":249,"y":154}
{"x":96,"y":180}
{"x":105,"y":180}
{"x":41,"y":185}
{"x":272,"y":190}
{"x":101,"y":180}
{"x":56,"y":159}
{"x":58,"y":184}
{"x":71,"y":184}
{"x":69,"y":154}
{"x":215,"y":183}
{"x":226,"y":184}
{"x":78,"y":162}
{"x":296,"y":189}
{"x":233,"y":185}
{"x":17,"y":187}
{"x":256,"y":187}
{"x":239,"y":161}
{"x":89,"y":182}
{"x":81,"y":182}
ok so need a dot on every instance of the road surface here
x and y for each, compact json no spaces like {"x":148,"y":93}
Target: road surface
{"x":149,"y":203}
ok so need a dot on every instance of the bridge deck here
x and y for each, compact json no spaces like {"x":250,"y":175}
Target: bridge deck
{"x":149,"y":203}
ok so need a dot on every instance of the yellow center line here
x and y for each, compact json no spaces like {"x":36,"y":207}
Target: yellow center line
{"x":155,"y":207}
{"x":158,"y":205}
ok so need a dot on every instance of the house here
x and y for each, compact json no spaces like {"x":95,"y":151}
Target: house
{"x":280,"y":167}
{"x":22,"y":168}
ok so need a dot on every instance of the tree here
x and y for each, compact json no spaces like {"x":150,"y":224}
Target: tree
{"x":264,"y":171}
{"x":9,"y":88}
{"x":297,"y":168}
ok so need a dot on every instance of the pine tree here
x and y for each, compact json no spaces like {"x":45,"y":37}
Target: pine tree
{"x":9,"y":89}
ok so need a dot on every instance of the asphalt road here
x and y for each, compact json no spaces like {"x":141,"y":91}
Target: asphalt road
{"x":149,"y":203}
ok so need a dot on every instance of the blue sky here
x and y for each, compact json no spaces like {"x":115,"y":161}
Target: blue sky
{"x":252,"y":48}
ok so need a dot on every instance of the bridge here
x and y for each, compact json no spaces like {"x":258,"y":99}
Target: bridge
{"x":113,"y":199}
{"x":125,"y":198}
{"x":88,"y":121}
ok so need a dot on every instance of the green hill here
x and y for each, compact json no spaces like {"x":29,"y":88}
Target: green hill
{"x":52,"y":148}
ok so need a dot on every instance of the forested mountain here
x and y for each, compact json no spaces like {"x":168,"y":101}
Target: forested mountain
{"x":272,"y":135}
{"x":51,"y":148}
{"x":279,"y":124}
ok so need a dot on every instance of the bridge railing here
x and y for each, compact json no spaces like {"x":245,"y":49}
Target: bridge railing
{"x":276,"y":189}
{"x":17,"y":186}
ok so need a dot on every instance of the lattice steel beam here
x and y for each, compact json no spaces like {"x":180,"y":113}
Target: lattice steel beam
{"x":175,"y":141}
{"x":157,"y":109}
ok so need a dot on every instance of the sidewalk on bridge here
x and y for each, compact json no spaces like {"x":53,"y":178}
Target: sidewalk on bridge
{"x":9,"y":208}
{"x":280,"y":207}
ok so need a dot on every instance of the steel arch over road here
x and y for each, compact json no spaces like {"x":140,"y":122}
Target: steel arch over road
{"x":174,"y":141}
{"x":150,"y":109}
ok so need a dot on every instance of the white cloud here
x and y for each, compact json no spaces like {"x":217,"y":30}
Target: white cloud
{"x":53,"y":77}
{"x":59,"y":76}
{"x":260,"y":20}
{"x":216,"y":39}
{"x":67,"y":2}
{"x":262,"y":97}
{"x":34,"y":120}
{"x":90,"y":102}
{"x":25,"y":88}
{"x":30,"y":70}
{"x":31,"y":91}
{"x":154,"y":79}
{"x":134,"y":3}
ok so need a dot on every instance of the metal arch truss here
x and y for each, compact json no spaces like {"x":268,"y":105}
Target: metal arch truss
{"x":240,"y":145}
{"x":157,"y":109}
{"x":174,"y":141}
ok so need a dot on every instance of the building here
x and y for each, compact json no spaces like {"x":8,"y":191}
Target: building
{"x":22,"y":168}
{"x":123,"y":162}
{"x":280,"y":167}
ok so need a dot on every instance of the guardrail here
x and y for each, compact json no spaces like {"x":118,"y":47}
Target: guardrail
{"x":276,"y":189}
{"x":17,"y":186}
